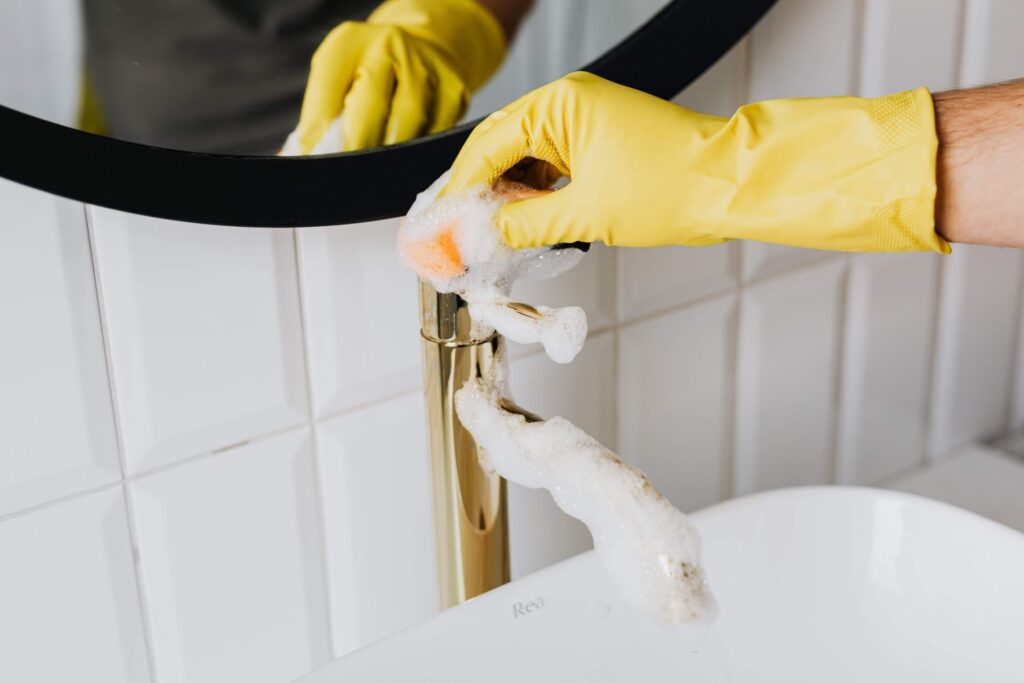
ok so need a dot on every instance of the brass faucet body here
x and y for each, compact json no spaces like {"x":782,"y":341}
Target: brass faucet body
{"x":470,"y":508}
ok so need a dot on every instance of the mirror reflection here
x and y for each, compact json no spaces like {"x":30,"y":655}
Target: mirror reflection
{"x":291,"y":76}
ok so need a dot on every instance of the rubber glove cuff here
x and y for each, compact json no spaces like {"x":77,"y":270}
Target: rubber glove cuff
{"x":838,"y":173}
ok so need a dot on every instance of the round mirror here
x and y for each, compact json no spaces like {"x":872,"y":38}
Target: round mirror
{"x":177,"y":108}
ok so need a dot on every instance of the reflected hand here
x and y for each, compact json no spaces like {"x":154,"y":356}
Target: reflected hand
{"x":838,"y":173}
{"x":407,"y":71}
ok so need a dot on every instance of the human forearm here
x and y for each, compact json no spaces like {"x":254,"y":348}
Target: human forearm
{"x":980,"y":163}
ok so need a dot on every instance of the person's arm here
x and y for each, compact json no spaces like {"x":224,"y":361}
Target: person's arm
{"x":836,"y":173}
{"x":981,"y":165}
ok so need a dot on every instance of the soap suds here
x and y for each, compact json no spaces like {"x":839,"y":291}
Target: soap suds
{"x":452,"y":243}
{"x":649,"y":548}
{"x":329,"y":143}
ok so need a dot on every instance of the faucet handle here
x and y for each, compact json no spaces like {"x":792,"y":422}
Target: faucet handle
{"x":510,"y":406}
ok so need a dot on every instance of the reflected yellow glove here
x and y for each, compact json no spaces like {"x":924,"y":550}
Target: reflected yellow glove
{"x":841,"y":173}
{"x":408,"y":70}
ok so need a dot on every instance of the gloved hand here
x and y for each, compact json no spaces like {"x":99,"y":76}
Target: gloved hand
{"x":406,"y":71}
{"x":841,"y":173}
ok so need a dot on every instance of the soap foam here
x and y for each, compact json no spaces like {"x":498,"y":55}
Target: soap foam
{"x":650,"y":549}
{"x":329,"y":143}
{"x":484,"y":268}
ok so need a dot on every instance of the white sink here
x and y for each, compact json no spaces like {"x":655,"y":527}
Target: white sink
{"x":821,"y":584}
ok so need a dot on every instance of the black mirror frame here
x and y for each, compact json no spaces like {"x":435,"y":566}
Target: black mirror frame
{"x":661,"y":57}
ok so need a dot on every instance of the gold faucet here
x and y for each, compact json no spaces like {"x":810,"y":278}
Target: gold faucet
{"x":470,"y":511}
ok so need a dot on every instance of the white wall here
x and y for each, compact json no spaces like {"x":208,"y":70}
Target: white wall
{"x":41,"y":58}
{"x":212,"y":450}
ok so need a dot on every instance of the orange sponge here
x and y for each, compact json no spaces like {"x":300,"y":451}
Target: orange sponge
{"x":438,"y":256}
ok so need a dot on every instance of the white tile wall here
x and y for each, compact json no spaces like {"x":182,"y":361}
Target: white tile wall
{"x":660,"y":279}
{"x":69,"y":603}
{"x":786,"y":394}
{"x":992,"y":50}
{"x":204,"y":334}
{"x":976,"y":346}
{"x":890,"y":321}
{"x":52,"y":364}
{"x":230,"y":552}
{"x":380,"y":536}
{"x":352,"y":281}
{"x":42,"y":40}
{"x":675,"y":400}
{"x":891,"y":61}
{"x":276,"y":478}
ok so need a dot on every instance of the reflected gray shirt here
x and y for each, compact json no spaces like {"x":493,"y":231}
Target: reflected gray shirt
{"x":219,"y":76}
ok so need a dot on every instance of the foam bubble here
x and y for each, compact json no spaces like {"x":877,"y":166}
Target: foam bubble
{"x":329,"y":143}
{"x":651,"y":549}
{"x":453,"y":243}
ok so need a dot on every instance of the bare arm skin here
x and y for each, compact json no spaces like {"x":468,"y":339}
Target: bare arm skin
{"x":509,"y":13}
{"x":981,"y":165}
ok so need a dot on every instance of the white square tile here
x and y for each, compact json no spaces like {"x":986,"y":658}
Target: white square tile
{"x":584,"y":393}
{"x":591,"y":285}
{"x":761,"y":259}
{"x":909,"y":43}
{"x":229,"y":549}
{"x":890,"y":315}
{"x":380,"y":524}
{"x":56,"y":423}
{"x":982,"y":480}
{"x":204,"y":333}
{"x":362,"y":315}
{"x":675,"y":400}
{"x":976,"y":346}
{"x":720,"y":90}
{"x":787,"y":369}
{"x":658,"y":279}
{"x":69,"y":608}
{"x":991,"y":43}
{"x":803,"y":48}
{"x":1017,"y":398}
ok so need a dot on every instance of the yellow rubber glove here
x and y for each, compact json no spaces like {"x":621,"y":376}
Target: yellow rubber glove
{"x":841,"y":173}
{"x":406,"y":71}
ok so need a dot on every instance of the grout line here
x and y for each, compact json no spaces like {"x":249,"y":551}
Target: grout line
{"x":857,"y":47}
{"x":263,"y":436}
{"x":731,"y":390}
{"x":616,"y":266}
{"x":386,"y":398}
{"x":928,"y":454}
{"x":888,"y":481}
{"x":39,"y":507}
{"x":729,"y":460}
{"x":154,"y":471}
{"x":1015,"y":361}
{"x":840,"y":371}
{"x":961,"y":45}
{"x":318,"y":483}
{"x":939,"y":287}
{"x":728,"y":291}
{"x":126,"y":492}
